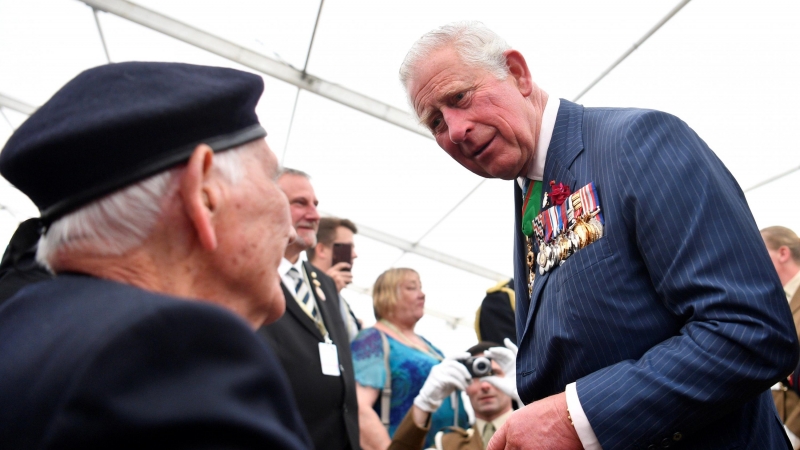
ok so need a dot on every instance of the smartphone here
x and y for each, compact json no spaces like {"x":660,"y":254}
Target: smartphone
{"x":342,"y":253}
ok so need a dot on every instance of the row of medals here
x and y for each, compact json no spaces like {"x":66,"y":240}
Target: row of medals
{"x":581,"y":231}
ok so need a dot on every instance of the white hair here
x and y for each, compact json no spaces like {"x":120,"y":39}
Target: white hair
{"x":475,"y":44}
{"x":122,"y":220}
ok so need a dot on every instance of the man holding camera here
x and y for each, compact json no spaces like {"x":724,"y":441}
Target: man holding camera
{"x":481,"y":373}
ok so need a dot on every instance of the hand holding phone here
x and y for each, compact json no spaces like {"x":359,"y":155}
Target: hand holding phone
{"x":342,"y":253}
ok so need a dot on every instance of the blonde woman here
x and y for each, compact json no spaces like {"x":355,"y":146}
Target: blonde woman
{"x":399,"y":303}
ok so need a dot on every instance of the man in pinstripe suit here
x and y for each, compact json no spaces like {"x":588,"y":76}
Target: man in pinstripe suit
{"x":667,"y":326}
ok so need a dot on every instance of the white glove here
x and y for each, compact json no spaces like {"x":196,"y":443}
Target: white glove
{"x":506,"y":358}
{"x":445,"y":377}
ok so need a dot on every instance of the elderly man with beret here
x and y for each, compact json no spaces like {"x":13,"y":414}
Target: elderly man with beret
{"x":164,"y":224}
{"x":648,"y":314}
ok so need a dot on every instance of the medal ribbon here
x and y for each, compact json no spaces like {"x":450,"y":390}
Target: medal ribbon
{"x":587,"y":199}
{"x":531,"y":209}
{"x":554,"y":225}
{"x":570,"y":215}
{"x":537,"y":228}
{"x":563,"y":223}
{"x":595,"y":202}
{"x":548,"y":226}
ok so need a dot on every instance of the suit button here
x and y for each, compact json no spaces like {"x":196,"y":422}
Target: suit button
{"x":677,"y":436}
{"x":665,"y":443}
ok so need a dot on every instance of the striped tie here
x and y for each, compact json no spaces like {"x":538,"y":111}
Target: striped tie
{"x":303,"y":294}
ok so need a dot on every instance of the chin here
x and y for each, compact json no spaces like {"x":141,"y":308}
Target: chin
{"x":276,"y":306}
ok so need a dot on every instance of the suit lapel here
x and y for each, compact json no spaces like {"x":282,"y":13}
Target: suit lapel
{"x":322,"y":305}
{"x":565,"y":146}
{"x":520,"y":265}
{"x":294,"y":308}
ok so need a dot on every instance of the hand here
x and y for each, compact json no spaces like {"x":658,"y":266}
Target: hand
{"x":542,"y":425}
{"x":340,"y":272}
{"x":445,"y":377}
{"x":506,"y":357}
{"x":506,"y":384}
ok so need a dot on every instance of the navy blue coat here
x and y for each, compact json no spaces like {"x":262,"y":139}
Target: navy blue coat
{"x":673,"y":324}
{"x":88,"y":363}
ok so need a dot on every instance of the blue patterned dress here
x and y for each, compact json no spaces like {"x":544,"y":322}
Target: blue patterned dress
{"x":410,"y":367}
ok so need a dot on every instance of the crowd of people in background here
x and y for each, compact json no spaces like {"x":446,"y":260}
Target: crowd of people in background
{"x":181,"y":289}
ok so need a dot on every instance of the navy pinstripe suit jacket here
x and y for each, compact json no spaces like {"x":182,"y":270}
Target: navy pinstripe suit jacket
{"x":674,"y":324}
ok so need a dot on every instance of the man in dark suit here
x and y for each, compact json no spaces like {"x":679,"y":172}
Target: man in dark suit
{"x":310,"y":339}
{"x":655,"y":318}
{"x":164,"y":226}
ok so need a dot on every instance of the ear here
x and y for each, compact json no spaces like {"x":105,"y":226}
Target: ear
{"x":199,"y":197}
{"x":319,"y":250}
{"x":518,"y":70}
{"x":784,"y":254}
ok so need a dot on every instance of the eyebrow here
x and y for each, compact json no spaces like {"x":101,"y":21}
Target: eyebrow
{"x":451,"y":91}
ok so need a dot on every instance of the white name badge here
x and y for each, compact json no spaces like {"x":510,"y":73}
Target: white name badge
{"x":329,"y":359}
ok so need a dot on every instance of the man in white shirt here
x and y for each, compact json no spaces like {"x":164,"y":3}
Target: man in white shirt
{"x":648,"y":314}
{"x":310,"y":339}
{"x":334,"y":231}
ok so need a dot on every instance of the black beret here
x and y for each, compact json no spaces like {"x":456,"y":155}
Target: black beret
{"x":117,"y":124}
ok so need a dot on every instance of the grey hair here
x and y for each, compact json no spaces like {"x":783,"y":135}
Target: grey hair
{"x":290,"y":171}
{"x":122,"y":220}
{"x":475,"y":44}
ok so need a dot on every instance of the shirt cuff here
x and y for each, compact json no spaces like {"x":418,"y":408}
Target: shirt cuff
{"x":582,"y":425}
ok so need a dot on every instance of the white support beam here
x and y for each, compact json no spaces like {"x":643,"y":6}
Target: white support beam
{"x":16,"y":105}
{"x":259,"y":62}
{"x":429,"y":253}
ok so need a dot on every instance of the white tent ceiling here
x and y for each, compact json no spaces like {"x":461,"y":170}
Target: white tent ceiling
{"x":728,"y":68}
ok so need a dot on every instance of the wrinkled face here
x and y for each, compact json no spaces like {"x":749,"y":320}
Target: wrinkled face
{"x":254,"y":232}
{"x":410,"y":300}
{"x":303,"y":205}
{"x":484,"y":123}
{"x":487,"y":401}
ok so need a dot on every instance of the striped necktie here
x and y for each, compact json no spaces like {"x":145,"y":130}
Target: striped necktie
{"x":303,"y":294}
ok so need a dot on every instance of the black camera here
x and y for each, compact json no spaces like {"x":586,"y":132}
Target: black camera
{"x":478,"y":366}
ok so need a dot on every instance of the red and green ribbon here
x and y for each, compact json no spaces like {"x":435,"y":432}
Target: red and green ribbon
{"x":530,"y":209}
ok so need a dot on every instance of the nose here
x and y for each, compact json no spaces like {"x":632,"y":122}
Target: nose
{"x":312,"y":214}
{"x":457,"y":125}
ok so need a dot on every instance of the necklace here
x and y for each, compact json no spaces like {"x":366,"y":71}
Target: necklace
{"x":406,"y":341}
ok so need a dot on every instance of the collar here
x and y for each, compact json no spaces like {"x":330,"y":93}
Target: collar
{"x":285,"y":265}
{"x":792,"y":285}
{"x":283,"y":271}
{"x":549,"y":116}
{"x":498,"y":422}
